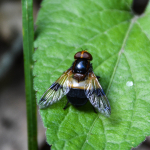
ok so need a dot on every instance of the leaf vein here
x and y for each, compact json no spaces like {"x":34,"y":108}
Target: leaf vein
{"x":120,"y":52}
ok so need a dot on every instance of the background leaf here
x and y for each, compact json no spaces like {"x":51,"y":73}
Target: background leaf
{"x":119,"y":43}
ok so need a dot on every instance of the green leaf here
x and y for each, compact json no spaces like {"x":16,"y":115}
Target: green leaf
{"x":120,"y":45}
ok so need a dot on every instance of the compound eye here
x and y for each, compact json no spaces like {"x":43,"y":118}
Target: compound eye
{"x":83,"y":54}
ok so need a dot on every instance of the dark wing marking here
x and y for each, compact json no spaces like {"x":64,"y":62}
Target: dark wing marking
{"x":57,"y":90}
{"x":96,"y":95}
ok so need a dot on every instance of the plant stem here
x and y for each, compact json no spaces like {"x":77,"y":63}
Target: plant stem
{"x":28,"y":49}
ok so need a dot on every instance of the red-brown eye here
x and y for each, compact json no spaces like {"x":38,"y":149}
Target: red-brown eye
{"x":83,"y":54}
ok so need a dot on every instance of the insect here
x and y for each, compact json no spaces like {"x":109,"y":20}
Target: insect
{"x":80,"y":85}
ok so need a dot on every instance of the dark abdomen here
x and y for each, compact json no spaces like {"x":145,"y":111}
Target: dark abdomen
{"x":77,"y":97}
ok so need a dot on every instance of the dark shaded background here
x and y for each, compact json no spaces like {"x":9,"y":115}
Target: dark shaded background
{"x":13,"y":128}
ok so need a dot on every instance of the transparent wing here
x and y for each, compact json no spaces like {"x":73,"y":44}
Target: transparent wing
{"x":96,"y":95}
{"x":57,"y":90}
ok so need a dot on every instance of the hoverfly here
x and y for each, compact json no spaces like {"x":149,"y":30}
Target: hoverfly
{"x":79,"y":84}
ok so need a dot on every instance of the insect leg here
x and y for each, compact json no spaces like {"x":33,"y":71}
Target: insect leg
{"x":98,"y":77}
{"x":66,"y":105}
{"x":94,"y":110}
